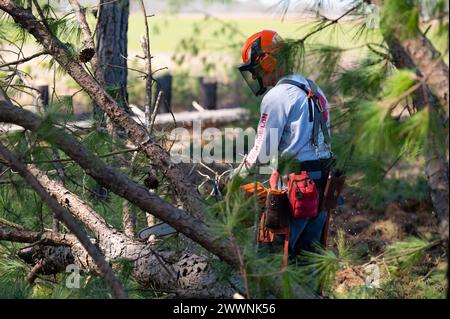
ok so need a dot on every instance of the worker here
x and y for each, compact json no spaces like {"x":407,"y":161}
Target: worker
{"x":295,"y":109}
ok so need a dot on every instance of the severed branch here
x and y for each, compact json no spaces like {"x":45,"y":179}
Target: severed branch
{"x":11,"y":224}
{"x":145,"y":43}
{"x":50,"y":253}
{"x":62,"y":215}
{"x":44,"y":238}
{"x":23,"y":60}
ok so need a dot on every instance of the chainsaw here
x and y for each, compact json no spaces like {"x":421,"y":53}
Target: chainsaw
{"x":159,"y":230}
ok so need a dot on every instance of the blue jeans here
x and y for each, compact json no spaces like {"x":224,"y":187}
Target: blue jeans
{"x":305,"y":233}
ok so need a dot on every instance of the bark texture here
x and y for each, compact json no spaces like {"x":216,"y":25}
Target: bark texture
{"x":111,"y":35}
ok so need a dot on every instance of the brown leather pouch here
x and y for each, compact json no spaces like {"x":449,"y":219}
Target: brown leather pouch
{"x":333,"y":189}
{"x":276,"y":214}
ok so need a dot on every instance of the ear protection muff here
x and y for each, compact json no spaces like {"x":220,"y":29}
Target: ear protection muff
{"x":268,"y":63}
{"x":266,"y":60}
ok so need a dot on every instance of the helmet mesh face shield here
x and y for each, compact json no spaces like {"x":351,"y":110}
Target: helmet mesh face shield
{"x":254,"y":81}
{"x":251,"y":70}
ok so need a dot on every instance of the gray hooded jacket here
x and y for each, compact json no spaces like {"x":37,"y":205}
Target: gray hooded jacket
{"x":285,"y":128}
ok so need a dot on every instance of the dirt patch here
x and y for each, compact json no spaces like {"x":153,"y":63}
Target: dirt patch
{"x":387,"y":230}
{"x":377,"y":229}
{"x":349,"y":278}
{"x":370,"y":232}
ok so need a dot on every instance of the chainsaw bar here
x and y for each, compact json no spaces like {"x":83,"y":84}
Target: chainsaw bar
{"x":159,"y":230}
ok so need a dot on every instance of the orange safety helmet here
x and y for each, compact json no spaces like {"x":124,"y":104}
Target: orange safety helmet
{"x":258,"y":56}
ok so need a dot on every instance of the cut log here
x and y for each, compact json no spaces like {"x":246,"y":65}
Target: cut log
{"x":208,"y":118}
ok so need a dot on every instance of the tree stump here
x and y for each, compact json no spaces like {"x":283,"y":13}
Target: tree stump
{"x":164,"y":84}
{"x":208,"y":93}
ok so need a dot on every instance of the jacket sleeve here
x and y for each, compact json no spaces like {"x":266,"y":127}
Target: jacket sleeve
{"x":274,"y":112}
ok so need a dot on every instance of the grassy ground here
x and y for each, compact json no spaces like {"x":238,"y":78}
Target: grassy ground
{"x":168,"y":30}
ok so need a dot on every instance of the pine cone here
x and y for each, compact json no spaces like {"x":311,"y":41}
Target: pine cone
{"x":86,"y":55}
{"x":151,"y":182}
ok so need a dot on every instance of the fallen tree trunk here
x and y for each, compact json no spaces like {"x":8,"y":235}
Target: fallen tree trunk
{"x":208,"y":118}
{"x":119,"y":183}
{"x":186,"y":275}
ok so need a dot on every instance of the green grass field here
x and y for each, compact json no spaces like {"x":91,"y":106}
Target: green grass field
{"x":168,"y":30}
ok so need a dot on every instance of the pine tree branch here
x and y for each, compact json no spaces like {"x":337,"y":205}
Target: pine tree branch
{"x":11,"y":224}
{"x":26,"y":59}
{"x":404,"y":253}
{"x":381,"y":54}
{"x":119,"y":183}
{"x":45,"y":238}
{"x":71,"y":160}
{"x":42,"y":17}
{"x":137,"y":134}
{"x":145,"y":43}
{"x":60,"y":213}
{"x":80,"y":13}
{"x":330,"y":23}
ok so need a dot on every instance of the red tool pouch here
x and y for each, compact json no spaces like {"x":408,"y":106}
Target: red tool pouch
{"x":303,"y":195}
